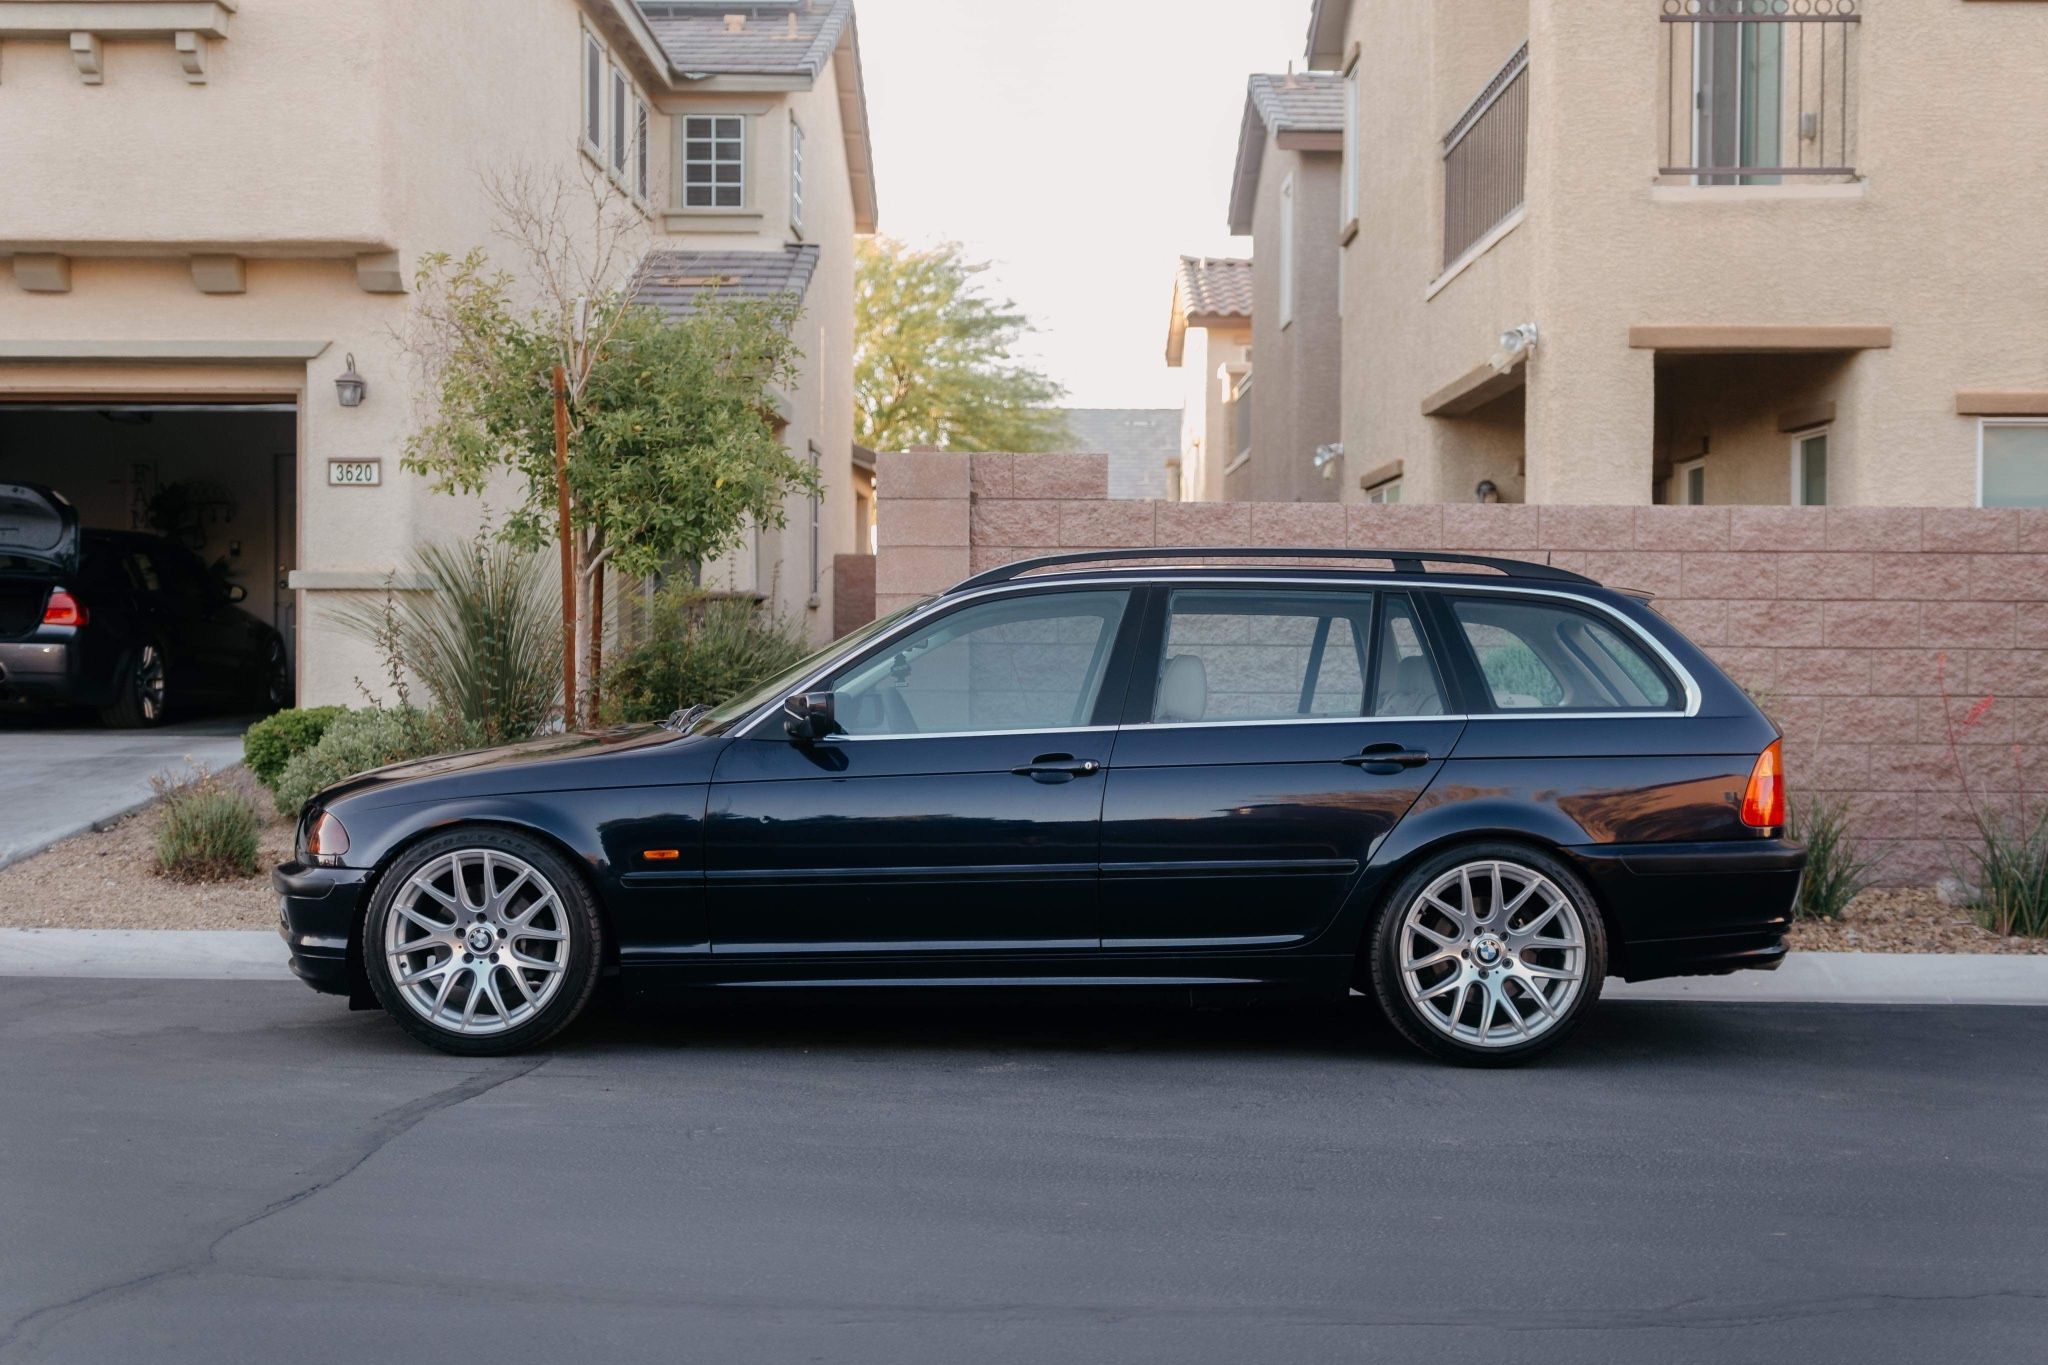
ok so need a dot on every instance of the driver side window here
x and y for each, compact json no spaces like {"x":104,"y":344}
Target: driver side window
{"x":1022,"y":663}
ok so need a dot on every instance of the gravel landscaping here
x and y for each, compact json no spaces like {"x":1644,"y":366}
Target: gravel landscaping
{"x":1905,"y":920}
{"x":109,"y":881}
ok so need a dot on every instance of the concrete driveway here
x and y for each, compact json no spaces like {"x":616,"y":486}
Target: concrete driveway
{"x":57,"y":780}
{"x":227,"y":1171}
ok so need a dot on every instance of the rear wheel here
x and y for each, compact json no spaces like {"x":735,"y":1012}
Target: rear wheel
{"x":481,"y":942}
{"x":143,"y":697}
{"x":276,"y":685}
{"x":1489,"y":954}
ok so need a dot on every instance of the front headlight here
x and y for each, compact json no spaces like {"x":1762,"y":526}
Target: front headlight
{"x":325,"y":840}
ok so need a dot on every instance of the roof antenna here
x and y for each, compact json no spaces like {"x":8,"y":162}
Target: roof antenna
{"x":1290,"y":74}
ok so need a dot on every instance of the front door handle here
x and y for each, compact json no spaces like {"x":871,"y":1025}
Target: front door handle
{"x":1387,"y":759}
{"x":1057,"y":768}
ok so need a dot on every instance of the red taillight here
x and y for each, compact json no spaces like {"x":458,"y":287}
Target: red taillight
{"x":63,"y":610}
{"x":1763,"y":804}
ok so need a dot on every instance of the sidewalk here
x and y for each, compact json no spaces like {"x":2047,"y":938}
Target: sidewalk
{"x":1806,"y":978}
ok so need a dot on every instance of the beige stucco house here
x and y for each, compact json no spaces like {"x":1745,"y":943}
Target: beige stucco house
{"x":1283,"y":195}
{"x":1623,"y":251}
{"x":1209,"y":340}
{"x":214,"y":210}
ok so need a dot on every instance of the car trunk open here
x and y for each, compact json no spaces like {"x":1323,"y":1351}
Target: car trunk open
{"x":38,"y":544}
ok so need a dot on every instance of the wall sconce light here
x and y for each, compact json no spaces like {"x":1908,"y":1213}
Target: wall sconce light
{"x":350,"y":386}
{"x":1486,"y":492}
{"x":1326,"y":457}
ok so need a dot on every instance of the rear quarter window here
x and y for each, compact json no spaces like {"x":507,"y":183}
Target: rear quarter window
{"x":1552,"y":656}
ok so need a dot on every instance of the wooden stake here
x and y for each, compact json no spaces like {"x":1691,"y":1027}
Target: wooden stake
{"x":568,"y":552}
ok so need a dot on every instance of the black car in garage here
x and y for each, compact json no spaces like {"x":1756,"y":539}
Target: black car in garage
{"x":1470,"y":788}
{"x":129,"y":624}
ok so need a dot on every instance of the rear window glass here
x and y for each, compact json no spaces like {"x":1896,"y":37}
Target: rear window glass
{"x":1540,"y":656}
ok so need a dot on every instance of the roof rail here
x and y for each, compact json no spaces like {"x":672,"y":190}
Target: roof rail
{"x":1404,"y":561}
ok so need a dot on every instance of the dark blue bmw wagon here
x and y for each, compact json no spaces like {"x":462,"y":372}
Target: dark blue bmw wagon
{"x":1470,"y":788}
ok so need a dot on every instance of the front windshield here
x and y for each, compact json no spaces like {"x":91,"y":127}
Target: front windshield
{"x":719,"y":718}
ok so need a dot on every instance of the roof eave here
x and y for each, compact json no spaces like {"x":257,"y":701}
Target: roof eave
{"x":1251,"y":152}
{"x":853,"y":121}
{"x":1327,"y":21}
{"x":626,"y":18}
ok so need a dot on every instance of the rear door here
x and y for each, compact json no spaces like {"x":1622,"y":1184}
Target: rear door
{"x":1276,"y":733}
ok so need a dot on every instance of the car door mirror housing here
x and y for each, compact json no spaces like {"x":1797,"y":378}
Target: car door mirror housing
{"x":809,"y":715}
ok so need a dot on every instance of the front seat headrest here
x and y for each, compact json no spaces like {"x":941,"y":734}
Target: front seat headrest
{"x":1183,"y":689}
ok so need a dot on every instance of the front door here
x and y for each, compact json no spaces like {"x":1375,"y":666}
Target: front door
{"x":959,"y":808}
{"x":1282,"y":734}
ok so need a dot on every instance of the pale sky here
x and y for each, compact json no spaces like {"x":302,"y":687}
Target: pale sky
{"x":1081,"y":146}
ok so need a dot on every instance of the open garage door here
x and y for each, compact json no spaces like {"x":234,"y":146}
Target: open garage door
{"x":219,"y":479}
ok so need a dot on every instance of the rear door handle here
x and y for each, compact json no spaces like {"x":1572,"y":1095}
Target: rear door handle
{"x":1386,"y":759}
{"x":1057,"y":768}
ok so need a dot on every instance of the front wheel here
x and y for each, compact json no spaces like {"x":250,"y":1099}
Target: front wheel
{"x":1488,"y":955}
{"x":482,"y":942}
{"x":142,"y":695}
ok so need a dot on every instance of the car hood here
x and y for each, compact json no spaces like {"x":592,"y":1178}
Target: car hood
{"x":627,"y":756}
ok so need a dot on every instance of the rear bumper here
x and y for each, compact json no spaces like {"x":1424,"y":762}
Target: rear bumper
{"x":317,"y":909}
{"x":1696,"y":909}
{"x":42,"y":671}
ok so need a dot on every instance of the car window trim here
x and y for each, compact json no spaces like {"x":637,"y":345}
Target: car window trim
{"x":916,"y":621}
{"x":1417,"y":586}
{"x":1482,"y":703}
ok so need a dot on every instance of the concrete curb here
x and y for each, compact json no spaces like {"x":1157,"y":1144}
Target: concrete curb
{"x":1806,"y":978}
{"x":97,"y":825}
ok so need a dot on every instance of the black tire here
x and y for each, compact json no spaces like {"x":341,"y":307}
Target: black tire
{"x":142,"y":697}
{"x":579,"y":919}
{"x":1425,"y":1026}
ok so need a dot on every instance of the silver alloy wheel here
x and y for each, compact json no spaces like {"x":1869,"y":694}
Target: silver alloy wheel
{"x":149,"y":683}
{"x":1492,"y":953}
{"x":477,"y":941}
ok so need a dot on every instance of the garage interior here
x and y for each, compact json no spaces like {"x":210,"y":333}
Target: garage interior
{"x":220,"y":479}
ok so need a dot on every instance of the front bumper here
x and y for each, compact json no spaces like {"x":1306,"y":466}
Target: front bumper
{"x":1697,"y":909}
{"x":317,"y":909}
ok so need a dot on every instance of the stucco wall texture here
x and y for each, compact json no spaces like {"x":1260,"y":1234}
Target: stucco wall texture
{"x":1847,"y":623}
{"x":1933,"y":240}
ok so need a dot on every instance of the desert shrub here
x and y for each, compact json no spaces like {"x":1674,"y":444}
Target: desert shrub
{"x":485,"y":639}
{"x":2006,"y":868}
{"x":209,"y":831}
{"x":357,"y":741}
{"x":697,"y":649}
{"x":1834,"y":871}
{"x":275,"y":740}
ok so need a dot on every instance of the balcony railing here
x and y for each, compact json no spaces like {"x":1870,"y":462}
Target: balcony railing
{"x":1486,"y":156}
{"x":1758,"y":90}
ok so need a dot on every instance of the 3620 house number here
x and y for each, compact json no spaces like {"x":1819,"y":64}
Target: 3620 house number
{"x":355,"y":473}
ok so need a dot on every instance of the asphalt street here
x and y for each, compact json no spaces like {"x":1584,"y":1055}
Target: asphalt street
{"x":236,"y":1171}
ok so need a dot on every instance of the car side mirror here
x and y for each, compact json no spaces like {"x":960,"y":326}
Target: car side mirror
{"x":237,"y":593}
{"x":809,"y":715}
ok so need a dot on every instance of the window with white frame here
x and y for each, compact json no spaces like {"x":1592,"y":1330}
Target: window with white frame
{"x":714,"y":161}
{"x":1810,"y":469}
{"x":1287,"y":251}
{"x":2012,"y":463}
{"x":622,"y":132}
{"x":1689,"y":483}
{"x":1390,"y":491}
{"x":796,"y":174}
{"x":640,"y":127}
{"x":593,"y":94}
{"x":1350,"y":195}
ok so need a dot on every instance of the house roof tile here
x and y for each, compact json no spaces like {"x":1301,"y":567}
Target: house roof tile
{"x":673,"y":281}
{"x":777,"y":37}
{"x":1300,"y":102}
{"x":1207,"y":287}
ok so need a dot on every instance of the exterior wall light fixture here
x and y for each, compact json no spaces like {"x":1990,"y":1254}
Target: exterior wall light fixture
{"x":350,"y":386}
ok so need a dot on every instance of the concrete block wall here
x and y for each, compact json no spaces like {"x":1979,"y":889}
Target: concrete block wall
{"x":1847,"y":623}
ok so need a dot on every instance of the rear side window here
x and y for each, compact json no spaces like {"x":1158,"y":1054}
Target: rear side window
{"x":1543,"y":656}
{"x":1248,"y":655}
{"x":1404,"y":682}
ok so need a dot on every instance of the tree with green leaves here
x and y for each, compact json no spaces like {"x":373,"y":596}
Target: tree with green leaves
{"x":932,"y":357}
{"x":672,"y":446}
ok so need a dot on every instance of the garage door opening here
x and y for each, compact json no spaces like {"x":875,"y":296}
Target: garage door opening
{"x":219,"y":479}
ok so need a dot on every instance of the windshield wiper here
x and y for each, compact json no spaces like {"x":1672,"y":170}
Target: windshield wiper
{"x":681,"y":721}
